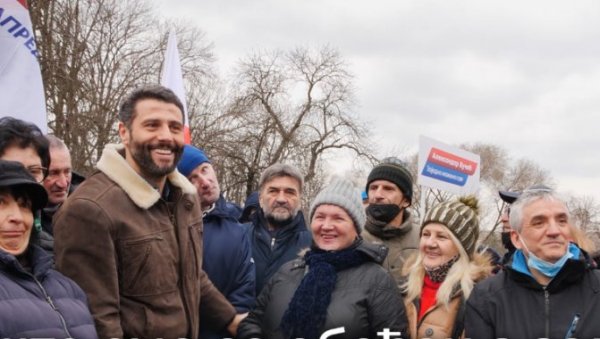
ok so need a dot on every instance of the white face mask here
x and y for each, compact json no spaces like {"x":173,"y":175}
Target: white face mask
{"x":548,"y":269}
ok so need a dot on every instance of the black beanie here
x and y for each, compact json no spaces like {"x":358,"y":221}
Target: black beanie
{"x":393,"y":170}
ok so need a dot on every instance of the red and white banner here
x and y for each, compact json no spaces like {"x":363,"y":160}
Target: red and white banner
{"x":172,"y":78}
{"x":448,"y":168}
{"x":21,"y":87}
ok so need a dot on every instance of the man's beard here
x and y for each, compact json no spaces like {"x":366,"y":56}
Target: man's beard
{"x":141,"y":153}
{"x":277,"y":219}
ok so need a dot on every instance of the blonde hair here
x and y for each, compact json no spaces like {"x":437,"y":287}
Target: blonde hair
{"x":582,"y":240}
{"x":462,"y":275}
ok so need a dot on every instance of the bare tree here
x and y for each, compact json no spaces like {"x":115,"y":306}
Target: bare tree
{"x":94,"y":52}
{"x":585,"y":213}
{"x":287,"y":107}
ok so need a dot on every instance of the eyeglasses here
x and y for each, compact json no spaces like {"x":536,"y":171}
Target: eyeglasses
{"x":38,"y":172}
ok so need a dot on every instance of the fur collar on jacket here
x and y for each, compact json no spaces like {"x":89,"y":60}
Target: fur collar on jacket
{"x":113,"y":164}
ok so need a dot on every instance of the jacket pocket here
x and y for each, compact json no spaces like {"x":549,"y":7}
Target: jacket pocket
{"x":195,"y":250}
{"x":148,"y":264}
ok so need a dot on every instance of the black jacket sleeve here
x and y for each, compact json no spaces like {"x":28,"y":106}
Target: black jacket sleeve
{"x":387,"y":308}
{"x":478,"y":323}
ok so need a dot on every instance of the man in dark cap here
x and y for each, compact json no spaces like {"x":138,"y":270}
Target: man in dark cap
{"x":389,"y":190}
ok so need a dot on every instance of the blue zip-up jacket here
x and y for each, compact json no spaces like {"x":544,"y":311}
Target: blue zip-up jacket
{"x":271,"y":252}
{"x":227,"y":260}
{"x":41,"y":304}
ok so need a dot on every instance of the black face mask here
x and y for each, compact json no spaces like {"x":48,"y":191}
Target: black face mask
{"x":507,"y":243}
{"x":383,"y":212}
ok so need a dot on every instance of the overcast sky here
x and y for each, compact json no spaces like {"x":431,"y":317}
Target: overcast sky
{"x":521,"y":74}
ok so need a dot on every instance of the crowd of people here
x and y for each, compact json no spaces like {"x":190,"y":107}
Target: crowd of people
{"x":147,"y":246}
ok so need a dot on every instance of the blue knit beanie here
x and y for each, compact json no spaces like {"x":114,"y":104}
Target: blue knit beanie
{"x":191,"y":158}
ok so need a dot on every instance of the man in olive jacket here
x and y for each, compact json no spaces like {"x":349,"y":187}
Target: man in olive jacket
{"x":389,"y":222}
{"x":131,"y":234}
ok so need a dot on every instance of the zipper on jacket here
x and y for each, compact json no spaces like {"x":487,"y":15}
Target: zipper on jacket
{"x":547,"y":311}
{"x":49,"y":300}
{"x":272,"y":243}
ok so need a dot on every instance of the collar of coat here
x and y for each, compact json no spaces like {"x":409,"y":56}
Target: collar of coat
{"x":113,"y":164}
{"x":375,"y":253}
{"x":573,"y":271}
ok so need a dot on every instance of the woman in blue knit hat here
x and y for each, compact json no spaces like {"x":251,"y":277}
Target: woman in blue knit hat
{"x":337,"y":287}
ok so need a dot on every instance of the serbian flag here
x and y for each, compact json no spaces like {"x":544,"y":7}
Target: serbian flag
{"x":21,"y":88}
{"x":173,"y":79}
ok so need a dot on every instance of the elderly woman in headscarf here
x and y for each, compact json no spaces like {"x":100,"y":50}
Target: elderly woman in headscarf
{"x":337,"y":286}
{"x":35,"y":300}
{"x":444,"y":271}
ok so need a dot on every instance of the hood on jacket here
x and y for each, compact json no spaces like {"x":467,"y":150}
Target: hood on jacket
{"x":251,"y":205}
{"x":113,"y":164}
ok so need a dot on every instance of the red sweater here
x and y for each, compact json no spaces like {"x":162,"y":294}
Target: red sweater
{"x":428,"y":295}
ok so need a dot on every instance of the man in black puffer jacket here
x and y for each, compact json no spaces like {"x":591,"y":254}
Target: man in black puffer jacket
{"x":548,"y":289}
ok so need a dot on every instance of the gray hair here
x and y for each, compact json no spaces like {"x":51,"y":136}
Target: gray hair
{"x":529,"y":196}
{"x":280,"y":170}
{"x":55,"y":142}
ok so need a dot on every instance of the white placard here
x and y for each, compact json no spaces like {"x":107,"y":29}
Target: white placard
{"x":447,"y":168}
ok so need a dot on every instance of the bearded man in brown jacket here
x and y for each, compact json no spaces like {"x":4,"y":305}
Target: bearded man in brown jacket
{"x":131,"y":235}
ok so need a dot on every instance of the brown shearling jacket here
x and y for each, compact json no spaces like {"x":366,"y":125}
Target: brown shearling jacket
{"x":137,"y":256}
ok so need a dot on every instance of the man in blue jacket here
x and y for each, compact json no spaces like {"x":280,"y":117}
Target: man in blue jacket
{"x":277,"y":230}
{"x":227,"y":255}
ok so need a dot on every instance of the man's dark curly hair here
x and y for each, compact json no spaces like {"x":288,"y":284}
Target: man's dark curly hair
{"x":157,"y":92}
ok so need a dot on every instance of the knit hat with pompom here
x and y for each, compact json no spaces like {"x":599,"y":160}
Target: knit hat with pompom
{"x":461,"y":217}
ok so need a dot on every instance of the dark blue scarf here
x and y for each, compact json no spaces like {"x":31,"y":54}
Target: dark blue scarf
{"x":307,"y":310}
